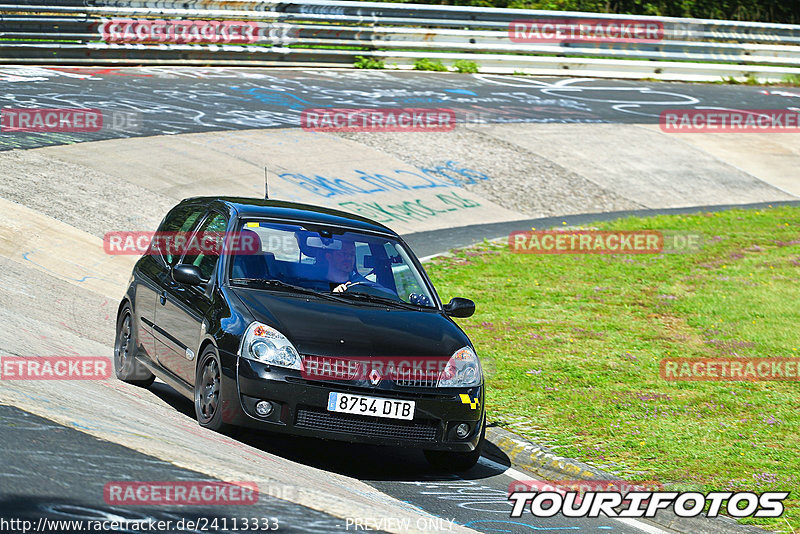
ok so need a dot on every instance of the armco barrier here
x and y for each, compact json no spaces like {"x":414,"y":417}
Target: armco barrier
{"x":319,"y":33}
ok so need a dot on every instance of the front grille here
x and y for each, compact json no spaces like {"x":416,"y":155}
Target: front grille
{"x":325,"y":368}
{"x":418,"y":378}
{"x":354,"y":424}
{"x":406,"y":372}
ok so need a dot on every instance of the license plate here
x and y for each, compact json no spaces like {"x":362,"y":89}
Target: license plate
{"x":375,"y":406}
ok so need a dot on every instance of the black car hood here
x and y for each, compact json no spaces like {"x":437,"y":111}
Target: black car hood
{"x":324,"y":327}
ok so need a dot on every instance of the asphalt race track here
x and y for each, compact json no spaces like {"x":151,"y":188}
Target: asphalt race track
{"x":58,"y":473}
{"x":168,"y":101}
{"x":62,"y":470}
{"x":179,"y":132}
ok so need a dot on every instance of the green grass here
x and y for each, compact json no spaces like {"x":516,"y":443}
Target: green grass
{"x":429,"y":64}
{"x":362,"y":62}
{"x":792,"y":79}
{"x":789,"y":79}
{"x":749,"y":80}
{"x":573,"y":343}
{"x":465,"y":66}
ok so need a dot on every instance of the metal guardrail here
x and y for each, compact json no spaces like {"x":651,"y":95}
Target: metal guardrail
{"x":333,"y":33}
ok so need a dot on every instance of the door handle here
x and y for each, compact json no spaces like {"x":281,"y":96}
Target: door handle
{"x":163,"y":298}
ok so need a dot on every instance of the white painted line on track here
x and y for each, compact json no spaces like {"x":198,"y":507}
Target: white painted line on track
{"x":510,"y":471}
{"x":519,"y":475}
{"x":650,"y":529}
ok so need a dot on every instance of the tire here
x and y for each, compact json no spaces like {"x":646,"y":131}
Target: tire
{"x":456,"y":462}
{"x":207,"y":392}
{"x":126,"y":368}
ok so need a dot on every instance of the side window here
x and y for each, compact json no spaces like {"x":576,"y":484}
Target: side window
{"x":178,"y":221}
{"x":215,"y":223}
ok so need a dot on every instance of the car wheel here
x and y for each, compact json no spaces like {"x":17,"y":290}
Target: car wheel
{"x":455,"y":462}
{"x":207,"y":392}
{"x":126,"y":367}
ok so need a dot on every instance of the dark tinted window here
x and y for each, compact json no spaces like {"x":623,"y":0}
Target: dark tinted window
{"x":179,"y":220}
{"x":214,"y":223}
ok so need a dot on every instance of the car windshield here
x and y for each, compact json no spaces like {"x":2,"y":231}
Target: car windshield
{"x":326,"y":260}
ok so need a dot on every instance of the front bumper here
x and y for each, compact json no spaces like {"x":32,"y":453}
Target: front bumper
{"x":300,"y":408}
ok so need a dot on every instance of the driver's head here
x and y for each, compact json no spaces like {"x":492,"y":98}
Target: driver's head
{"x":343,"y":260}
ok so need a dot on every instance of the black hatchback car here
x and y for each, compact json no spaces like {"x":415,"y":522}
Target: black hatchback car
{"x":304,"y":320}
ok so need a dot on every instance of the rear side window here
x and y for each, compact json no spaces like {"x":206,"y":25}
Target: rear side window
{"x":180,"y":219}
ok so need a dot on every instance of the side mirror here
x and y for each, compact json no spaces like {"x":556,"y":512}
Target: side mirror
{"x":458,"y":307}
{"x":188,"y":274}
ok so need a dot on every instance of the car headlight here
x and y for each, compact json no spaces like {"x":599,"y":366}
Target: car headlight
{"x":264,"y":344}
{"x":462,"y":370}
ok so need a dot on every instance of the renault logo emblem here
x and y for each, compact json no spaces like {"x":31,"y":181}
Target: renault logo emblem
{"x":374,"y":377}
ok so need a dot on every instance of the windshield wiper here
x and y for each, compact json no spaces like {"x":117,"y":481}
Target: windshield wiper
{"x":273,"y":283}
{"x":380,"y":300}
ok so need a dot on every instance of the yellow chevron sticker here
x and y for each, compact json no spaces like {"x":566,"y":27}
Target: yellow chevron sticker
{"x":472,"y":403}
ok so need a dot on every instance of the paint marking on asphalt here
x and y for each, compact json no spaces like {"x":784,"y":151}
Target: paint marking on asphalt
{"x":650,"y":529}
{"x":510,"y":471}
{"x":519,"y":475}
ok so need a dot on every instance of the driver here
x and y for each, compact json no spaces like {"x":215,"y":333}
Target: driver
{"x":341,"y":267}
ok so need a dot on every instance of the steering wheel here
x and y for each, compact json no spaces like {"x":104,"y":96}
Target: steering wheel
{"x":371,"y":289}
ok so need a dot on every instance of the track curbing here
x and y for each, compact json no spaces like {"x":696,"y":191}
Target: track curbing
{"x":542,"y":461}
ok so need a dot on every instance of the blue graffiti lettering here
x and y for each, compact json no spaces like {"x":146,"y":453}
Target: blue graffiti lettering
{"x":448,"y":175}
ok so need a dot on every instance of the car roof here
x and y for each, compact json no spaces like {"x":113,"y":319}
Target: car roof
{"x":293,"y":211}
